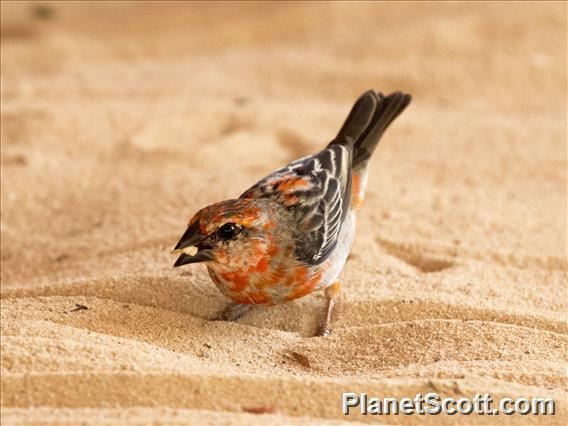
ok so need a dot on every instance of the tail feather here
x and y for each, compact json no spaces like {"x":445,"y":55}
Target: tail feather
{"x":371,"y":115}
{"x":360,"y":117}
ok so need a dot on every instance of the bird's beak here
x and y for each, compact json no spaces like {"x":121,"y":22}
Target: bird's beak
{"x":192,"y":239}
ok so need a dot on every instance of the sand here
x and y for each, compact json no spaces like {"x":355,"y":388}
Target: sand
{"x":119,"y":121}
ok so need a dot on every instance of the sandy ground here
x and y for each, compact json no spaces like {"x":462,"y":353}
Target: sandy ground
{"x":119,"y":121}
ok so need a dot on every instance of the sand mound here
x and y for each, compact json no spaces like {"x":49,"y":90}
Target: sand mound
{"x":145,"y":343}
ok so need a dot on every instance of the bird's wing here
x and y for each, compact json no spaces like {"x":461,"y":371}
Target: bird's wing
{"x":317,"y":191}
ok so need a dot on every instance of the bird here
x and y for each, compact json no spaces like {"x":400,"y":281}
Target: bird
{"x":290,"y":233}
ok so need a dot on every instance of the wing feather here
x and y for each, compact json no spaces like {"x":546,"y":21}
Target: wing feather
{"x":317,"y":191}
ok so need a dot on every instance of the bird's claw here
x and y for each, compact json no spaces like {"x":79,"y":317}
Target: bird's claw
{"x":323,"y":330}
{"x":232,"y":312}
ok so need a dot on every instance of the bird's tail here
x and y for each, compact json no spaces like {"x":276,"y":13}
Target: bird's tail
{"x":371,"y":115}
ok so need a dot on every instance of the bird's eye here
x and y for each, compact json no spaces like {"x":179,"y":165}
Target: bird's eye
{"x":229,"y":231}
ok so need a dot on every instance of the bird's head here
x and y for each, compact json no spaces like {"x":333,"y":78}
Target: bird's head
{"x":230,"y":232}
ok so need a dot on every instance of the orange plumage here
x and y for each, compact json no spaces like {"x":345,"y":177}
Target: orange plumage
{"x":290,"y":233}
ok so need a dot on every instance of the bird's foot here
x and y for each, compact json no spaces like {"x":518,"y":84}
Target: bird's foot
{"x":325,"y":328}
{"x":232,"y":312}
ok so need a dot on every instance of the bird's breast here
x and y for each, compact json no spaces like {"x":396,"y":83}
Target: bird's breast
{"x":273,"y":275}
{"x":272,"y":283}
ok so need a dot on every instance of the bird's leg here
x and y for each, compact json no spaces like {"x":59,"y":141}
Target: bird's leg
{"x":232,"y":312}
{"x":330,"y":293}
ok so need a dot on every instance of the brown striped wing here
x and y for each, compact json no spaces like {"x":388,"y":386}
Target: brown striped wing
{"x":317,"y":191}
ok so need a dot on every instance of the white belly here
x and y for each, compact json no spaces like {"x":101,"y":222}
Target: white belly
{"x":341,"y":252}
